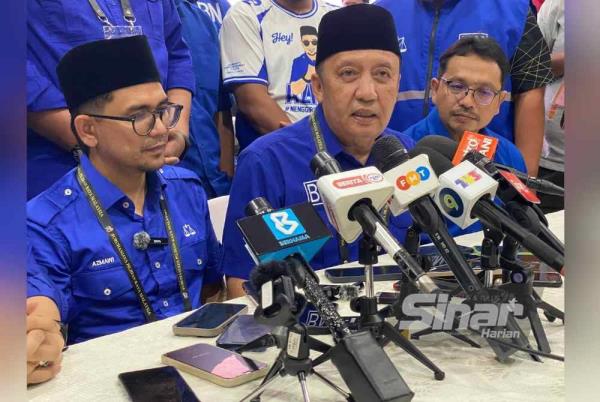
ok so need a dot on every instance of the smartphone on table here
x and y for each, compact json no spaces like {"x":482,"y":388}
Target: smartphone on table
{"x":357,"y":274}
{"x":220,"y":366}
{"x":209,"y":320}
{"x":243,"y":330}
{"x":161,"y":384}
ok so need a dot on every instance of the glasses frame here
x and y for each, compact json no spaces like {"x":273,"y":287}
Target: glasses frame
{"x":314,"y":42}
{"x":469,"y":89}
{"x":132,"y":117}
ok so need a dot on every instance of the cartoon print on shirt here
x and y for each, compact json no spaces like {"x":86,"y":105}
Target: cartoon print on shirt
{"x":299,"y":89}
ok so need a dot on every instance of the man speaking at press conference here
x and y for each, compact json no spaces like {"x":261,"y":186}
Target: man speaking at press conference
{"x":356,"y":84}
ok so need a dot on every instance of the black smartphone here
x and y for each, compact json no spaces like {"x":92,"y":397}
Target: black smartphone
{"x":209,"y":320}
{"x":161,"y":384}
{"x":357,"y":274}
{"x":251,"y":292}
{"x":244,"y":329}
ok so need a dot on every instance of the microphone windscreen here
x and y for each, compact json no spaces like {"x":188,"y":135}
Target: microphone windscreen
{"x":388,"y":152}
{"x":266,"y":272}
{"x":258,"y":206}
{"x":438,"y":162}
{"x":323,"y":164}
{"x":141,"y":240}
{"x":444,"y":145}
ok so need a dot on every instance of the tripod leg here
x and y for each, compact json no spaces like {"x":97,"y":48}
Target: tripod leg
{"x":331,"y":385}
{"x":255,"y":395}
{"x":549,"y":309}
{"x":538,"y":331}
{"x":302,"y":380}
{"x":273,"y":373}
{"x":390,"y":332}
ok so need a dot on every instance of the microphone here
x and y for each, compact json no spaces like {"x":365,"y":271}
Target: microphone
{"x":415,"y":181}
{"x":142,"y":240}
{"x":466,"y":192}
{"x":352,"y":200}
{"x":450,"y":149}
{"x":520,"y":201}
{"x":272,"y":235}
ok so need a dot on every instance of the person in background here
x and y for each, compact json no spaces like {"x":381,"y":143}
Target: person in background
{"x":53,"y":28}
{"x":428,"y":27}
{"x":356,"y":82}
{"x":353,"y":2}
{"x":467,"y":94}
{"x":551,"y":20}
{"x":211,"y":150}
{"x":259,"y":41}
{"x":124,"y":238}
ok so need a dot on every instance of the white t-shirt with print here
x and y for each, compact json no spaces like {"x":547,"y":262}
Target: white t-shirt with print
{"x":261,"y":43}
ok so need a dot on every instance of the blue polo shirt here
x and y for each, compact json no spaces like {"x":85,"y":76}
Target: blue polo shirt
{"x":506,"y":152}
{"x":55,"y":27}
{"x":277,"y":166}
{"x":97,"y":296}
{"x":201,"y":22}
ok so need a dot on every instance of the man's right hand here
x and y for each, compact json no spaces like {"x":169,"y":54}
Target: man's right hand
{"x":44,"y":341}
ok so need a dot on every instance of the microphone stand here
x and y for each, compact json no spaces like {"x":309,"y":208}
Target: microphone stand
{"x":294,"y":360}
{"x":370,"y":317}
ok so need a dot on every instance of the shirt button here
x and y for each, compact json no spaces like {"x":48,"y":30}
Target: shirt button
{"x":107,"y":292}
{"x":68,"y":191}
{"x":125,"y":205}
{"x":165,"y":303}
{"x":199,"y":261}
{"x":157,"y":265}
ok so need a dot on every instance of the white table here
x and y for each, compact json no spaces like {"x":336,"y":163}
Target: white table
{"x":90,"y":368}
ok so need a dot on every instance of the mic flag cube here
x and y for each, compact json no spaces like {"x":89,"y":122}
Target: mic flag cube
{"x":341,"y":191}
{"x":280,"y":233}
{"x":475,"y":142}
{"x":460,"y":188}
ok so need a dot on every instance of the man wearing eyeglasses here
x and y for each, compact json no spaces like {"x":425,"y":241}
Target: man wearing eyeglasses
{"x":467,"y":94}
{"x":125,"y":238}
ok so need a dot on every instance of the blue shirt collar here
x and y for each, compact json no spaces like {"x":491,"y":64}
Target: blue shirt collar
{"x":108,"y":193}
{"x":436,"y":126}
{"x":333,"y":144}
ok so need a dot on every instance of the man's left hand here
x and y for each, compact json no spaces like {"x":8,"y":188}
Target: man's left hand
{"x":175,"y":147}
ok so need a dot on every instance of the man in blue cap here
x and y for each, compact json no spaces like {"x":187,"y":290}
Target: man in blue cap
{"x":356,"y":82}
{"x":124,"y":239}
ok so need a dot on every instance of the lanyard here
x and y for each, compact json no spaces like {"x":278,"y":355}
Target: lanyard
{"x":317,"y":134}
{"x":108,"y":227}
{"x":125,"y":6}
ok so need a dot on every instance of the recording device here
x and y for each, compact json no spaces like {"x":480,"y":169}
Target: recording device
{"x":355,"y":354}
{"x":415,"y":180}
{"x":220,"y":366}
{"x":465,"y":193}
{"x":142,"y":240}
{"x":450,"y":149}
{"x":209,"y":320}
{"x":243,"y":330}
{"x":352,"y":200}
{"x":157,"y":385}
{"x":357,"y":274}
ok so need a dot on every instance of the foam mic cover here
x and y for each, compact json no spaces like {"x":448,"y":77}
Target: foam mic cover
{"x":444,"y":145}
{"x":437,"y":160}
{"x":323,"y":164}
{"x":266,"y":272}
{"x":388,"y":152}
{"x":141,"y":240}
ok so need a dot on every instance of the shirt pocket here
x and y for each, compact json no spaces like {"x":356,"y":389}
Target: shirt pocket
{"x":105,"y":285}
{"x":194,"y":258}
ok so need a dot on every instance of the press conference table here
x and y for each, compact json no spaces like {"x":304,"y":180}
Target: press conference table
{"x":90,"y":368}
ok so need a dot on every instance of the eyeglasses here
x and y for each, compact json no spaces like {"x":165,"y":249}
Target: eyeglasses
{"x":143,"y":122}
{"x":308,"y":42}
{"x":483,"y":96}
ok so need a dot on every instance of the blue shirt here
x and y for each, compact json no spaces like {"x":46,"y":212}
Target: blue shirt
{"x":506,"y":152}
{"x":38,"y":282}
{"x":277,"y":166}
{"x":299,"y":69}
{"x":424,"y":35}
{"x":55,"y":27}
{"x":200,"y":25}
{"x":69,"y":242}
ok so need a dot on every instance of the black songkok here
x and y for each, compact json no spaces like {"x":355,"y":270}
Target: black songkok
{"x":97,"y":68}
{"x":357,"y":27}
